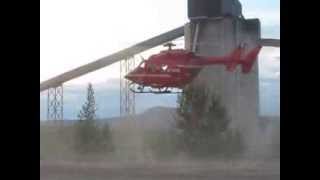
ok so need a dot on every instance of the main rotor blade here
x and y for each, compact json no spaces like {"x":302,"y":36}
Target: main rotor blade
{"x":108,"y":60}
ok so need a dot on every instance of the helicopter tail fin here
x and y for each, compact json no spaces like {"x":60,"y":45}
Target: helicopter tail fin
{"x":249,"y":59}
{"x":234,"y":59}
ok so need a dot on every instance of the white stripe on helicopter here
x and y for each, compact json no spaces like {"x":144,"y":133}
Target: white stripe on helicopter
{"x":149,"y":75}
{"x":189,"y":66}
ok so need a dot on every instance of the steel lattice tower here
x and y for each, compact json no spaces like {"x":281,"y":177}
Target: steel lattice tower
{"x":55,"y":103}
{"x":127,"y":98}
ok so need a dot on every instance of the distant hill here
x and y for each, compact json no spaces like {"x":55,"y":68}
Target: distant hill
{"x":107,"y":99}
{"x":158,"y":118}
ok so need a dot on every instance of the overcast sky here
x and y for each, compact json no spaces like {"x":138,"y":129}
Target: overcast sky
{"x":76,"y":32}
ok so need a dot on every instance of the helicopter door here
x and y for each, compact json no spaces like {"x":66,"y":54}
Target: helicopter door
{"x":151,"y":68}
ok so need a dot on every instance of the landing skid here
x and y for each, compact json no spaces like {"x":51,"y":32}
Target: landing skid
{"x":142,"y":90}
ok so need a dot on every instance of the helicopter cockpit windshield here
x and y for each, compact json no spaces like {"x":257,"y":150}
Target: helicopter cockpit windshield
{"x":149,"y":67}
{"x":142,"y":64}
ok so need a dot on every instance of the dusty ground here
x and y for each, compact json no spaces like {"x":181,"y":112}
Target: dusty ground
{"x":220,"y":170}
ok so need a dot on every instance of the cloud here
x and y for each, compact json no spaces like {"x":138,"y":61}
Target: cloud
{"x":268,"y":11}
{"x":269,"y":63}
{"x":270,"y":31}
{"x":79,"y":34}
{"x":267,"y":17}
{"x":269,"y":97}
{"x":269,"y":75}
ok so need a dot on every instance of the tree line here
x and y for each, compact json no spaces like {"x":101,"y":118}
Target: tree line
{"x":201,"y":127}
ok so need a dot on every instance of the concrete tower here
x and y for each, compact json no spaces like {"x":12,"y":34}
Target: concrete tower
{"x":239,"y":93}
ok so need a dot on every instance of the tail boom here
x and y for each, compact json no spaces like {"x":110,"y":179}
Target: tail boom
{"x":231,"y":61}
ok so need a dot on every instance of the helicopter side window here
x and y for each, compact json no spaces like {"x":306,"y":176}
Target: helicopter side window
{"x":150,"y":67}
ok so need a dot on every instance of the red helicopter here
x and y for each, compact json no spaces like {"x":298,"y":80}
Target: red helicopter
{"x":175,"y":68}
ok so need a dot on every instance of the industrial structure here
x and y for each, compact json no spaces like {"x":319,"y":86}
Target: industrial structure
{"x":215,"y":28}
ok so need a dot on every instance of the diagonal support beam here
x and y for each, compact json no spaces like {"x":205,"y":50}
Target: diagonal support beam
{"x":108,"y":60}
{"x":270,"y":42}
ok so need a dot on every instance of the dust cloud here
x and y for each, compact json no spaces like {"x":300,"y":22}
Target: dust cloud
{"x":144,"y":149}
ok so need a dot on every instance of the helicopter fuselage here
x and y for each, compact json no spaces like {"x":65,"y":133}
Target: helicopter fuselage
{"x":177,"y":68}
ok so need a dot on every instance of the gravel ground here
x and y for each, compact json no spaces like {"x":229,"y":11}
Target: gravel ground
{"x":184,"y":170}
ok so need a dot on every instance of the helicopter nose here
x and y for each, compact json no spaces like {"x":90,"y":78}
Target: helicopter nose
{"x":132,"y":76}
{"x":129,"y":77}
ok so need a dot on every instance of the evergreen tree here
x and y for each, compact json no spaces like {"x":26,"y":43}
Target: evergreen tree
{"x":87,"y":134}
{"x":88,"y":111}
{"x":90,"y":138}
{"x":106,"y":138}
{"x":203,"y":123}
